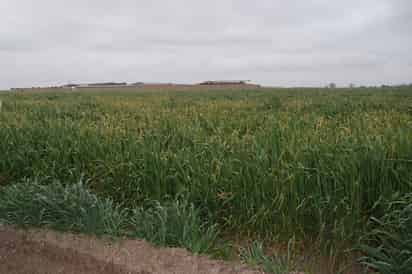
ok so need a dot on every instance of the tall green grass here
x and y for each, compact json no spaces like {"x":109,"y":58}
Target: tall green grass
{"x":175,"y":224}
{"x":74,"y":208}
{"x":312,"y":164}
{"x":388,"y":247}
{"x":255,"y":256}
{"x":70,"y":208}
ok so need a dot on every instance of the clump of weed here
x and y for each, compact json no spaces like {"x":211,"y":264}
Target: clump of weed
{"x":389,"y":246}
{"x":66,"y":208}
{"x":174,"y":224}
{"x":255,"y":256}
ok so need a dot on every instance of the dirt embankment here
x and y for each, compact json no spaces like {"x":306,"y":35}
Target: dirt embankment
{"x":46,"y":252}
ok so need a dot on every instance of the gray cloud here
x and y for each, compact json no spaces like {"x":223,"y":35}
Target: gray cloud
{"x":273,"y":42}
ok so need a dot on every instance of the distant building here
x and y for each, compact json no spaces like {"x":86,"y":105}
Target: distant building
{"x":222,"y":83}
{"x":107,"y":84}
{"x":70,"y":86}
{"x":103,"y":85}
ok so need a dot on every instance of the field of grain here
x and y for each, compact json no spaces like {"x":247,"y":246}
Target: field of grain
{"x":314,"y":165}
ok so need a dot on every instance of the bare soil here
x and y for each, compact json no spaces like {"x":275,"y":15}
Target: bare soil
{"x":3,"y":180}
{"x":44,"y":252}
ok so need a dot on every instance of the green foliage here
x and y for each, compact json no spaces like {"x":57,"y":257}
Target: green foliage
{"x":255,"y":256}
{"x":66,"y":208}
{"x":389,"y":246}
{"x":310,"y":163}
{"x":175,"y":224}
{"x":74,"y":208}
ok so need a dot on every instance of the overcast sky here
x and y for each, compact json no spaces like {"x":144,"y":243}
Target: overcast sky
{"x":273,"y":42}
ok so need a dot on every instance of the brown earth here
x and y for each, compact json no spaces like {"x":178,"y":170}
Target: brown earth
{"x":3,"y":179}
{"x":47,"y":252}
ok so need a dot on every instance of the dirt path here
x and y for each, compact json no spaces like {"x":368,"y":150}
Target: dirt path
{"x":46,"y":252}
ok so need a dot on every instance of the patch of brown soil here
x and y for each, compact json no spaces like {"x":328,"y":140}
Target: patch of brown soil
{"x":3,"y":180}
{"x":51,"y":252}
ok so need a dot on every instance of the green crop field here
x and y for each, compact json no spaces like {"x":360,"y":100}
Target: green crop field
{"x":324,"y":166}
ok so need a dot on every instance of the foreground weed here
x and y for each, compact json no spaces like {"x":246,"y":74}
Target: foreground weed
{"x":255,"y":256}
{"x":174,"y":224}
{"x":389,"y":246}
{"x":66,"y":208}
